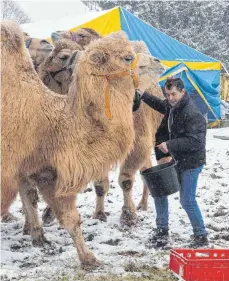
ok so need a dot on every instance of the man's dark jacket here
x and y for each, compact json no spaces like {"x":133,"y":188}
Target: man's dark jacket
{"x":187,"y":138}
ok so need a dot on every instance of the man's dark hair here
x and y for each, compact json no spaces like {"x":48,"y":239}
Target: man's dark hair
{"x":174,"y":82}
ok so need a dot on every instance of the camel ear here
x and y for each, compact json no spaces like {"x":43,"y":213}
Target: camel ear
{"x":98,"y":57}
{"x":74,"y":59}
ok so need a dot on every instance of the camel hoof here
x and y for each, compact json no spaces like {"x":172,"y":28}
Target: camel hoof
{"x":48,"y":216}
{"x":128,"y":218}
{"x":142,"y":206}
{"x":40,"y":241}
{"x":91,"y":264}
{"x":8,"y":217}
{"x":100,"y":216}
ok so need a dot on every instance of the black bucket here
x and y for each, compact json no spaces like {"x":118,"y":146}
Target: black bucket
{"x":162,"y":180}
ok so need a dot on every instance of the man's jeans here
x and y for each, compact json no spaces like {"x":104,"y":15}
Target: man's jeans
{"x":189,"y":179}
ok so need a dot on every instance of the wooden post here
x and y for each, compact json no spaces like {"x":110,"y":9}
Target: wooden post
{"x":224,"y":87}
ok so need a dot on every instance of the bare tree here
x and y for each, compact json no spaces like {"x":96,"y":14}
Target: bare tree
{"x":12,"y":11}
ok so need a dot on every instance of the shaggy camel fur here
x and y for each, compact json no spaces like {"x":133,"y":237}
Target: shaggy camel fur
{"x":43,"y":143}
{"x":55,"y":71}
{"x":82,"y":36}
{"x":39,"y":49}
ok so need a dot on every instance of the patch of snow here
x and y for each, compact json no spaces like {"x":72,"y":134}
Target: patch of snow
{"x":21,"y":261}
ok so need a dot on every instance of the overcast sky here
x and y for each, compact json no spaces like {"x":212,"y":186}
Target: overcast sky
{"x":51,"y":9}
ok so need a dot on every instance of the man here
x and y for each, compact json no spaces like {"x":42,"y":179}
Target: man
{"x":181,"y":134}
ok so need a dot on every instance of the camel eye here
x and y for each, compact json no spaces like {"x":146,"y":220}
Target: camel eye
{"x":128,"y":59}
{"x":156,"y":60}
{"x":44,"y":42}
{"x":82,"y":35}
{"x":64,"y":57}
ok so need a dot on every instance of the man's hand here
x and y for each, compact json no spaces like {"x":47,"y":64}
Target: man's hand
{"x":163,"y":147}
{"x":139,"y":92}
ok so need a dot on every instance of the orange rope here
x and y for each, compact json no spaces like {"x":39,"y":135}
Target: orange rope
{"x":107,"y":100}
{"x":135,"y":78}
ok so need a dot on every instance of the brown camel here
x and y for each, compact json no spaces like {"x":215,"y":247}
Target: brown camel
{"x":56,"y":71}
{"x":82,"y":36}
{"x":39,"y":49}
{"x":60,"y":143}
{"x":146,"y":122}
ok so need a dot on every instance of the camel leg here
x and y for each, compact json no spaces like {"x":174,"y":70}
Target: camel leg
{"x":66,"y":212}
{"x":126,"y":181}
{"x":143,"y":204}
{"x":48,"y":215}
{"x":29,"y":197}
{"x":101,"y":189}
{"x":8,"y":217}
{"x":8,"y":195}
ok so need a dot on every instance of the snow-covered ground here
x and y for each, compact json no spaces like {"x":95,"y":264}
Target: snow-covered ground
{"x":112,"y":244}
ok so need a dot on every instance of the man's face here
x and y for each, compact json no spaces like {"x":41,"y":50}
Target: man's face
{"x":174,"y":95}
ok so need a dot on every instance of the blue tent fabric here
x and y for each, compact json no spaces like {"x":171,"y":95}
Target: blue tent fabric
{"x":160,"y":45}
{"x":210,"y":93}
{"x":166,"y":48}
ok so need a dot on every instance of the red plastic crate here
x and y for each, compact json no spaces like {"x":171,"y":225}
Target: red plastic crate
{"x":200,"y":264}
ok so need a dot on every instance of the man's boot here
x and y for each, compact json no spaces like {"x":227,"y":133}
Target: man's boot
{"x":160,"y":237}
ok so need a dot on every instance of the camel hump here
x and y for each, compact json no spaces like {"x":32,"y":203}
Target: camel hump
{"x":11,"y":35}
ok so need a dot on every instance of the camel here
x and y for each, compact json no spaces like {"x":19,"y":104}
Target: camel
{"x":56,"y":71}
{"x":146,"y":122}
{"x":82,"y":36}
{"x":39,"y":49}
{"x":60,"y":143}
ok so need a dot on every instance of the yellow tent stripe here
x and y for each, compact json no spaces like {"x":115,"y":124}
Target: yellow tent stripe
{"x":194,"y":65}
{"x":105,"y":24}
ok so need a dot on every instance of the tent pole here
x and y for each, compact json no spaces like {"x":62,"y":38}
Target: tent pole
{"x":225,"y":68}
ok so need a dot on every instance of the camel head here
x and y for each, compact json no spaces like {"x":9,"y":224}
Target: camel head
{"x":39,"y":49}
{"x":108,"y":55}
{"x":82,"y":36}
{"x":149,"y":68}
{"x":61,"y":55}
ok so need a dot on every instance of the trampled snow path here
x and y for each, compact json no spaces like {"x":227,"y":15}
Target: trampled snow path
{"x":112,"y":244}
